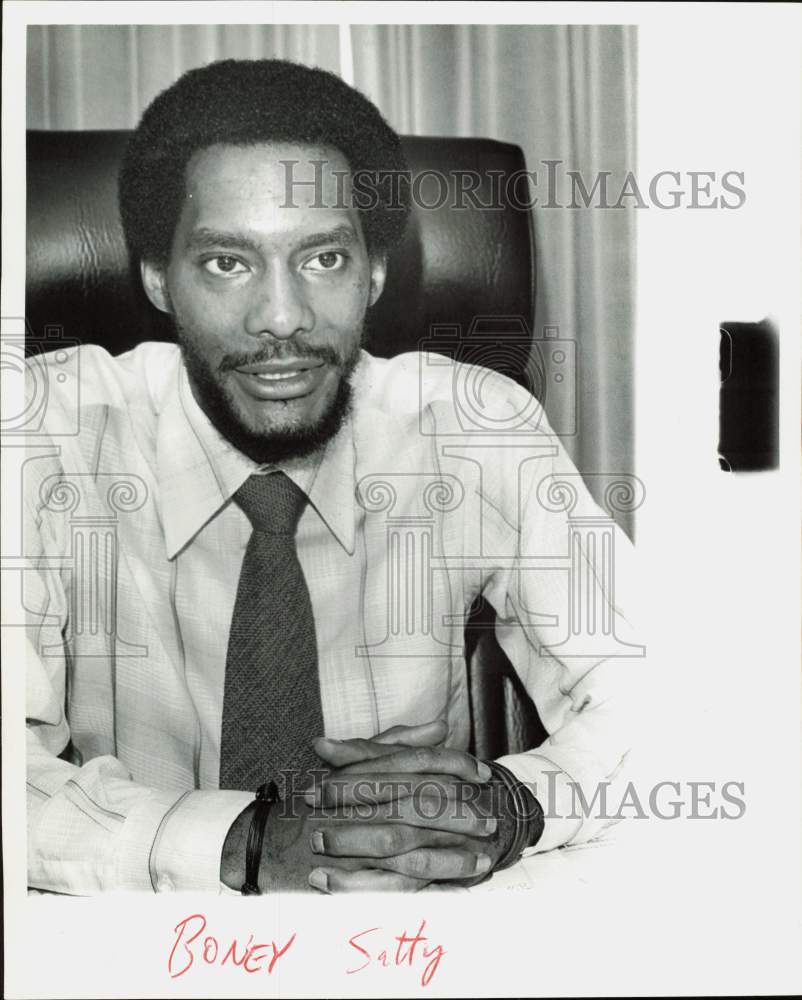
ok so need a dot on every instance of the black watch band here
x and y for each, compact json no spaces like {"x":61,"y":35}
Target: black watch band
{"x":266,"y":797}
{"x":527,"y":811}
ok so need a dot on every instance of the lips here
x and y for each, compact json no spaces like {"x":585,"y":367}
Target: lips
{"x":277,"y":380}
{"x":280,"y":367}
{"x":275,"y":376}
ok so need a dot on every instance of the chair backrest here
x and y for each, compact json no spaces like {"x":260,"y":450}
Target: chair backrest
{"x":455,"y":264}
{"x":461,"y":282}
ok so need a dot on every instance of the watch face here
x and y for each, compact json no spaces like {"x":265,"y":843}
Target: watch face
{"x":749,"y":397}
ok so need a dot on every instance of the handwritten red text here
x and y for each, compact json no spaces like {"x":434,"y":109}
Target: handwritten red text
{"x":249,"y":955}
{"x":407,"y":951}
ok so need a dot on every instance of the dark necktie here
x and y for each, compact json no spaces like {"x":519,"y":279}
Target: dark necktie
{"x":271,"y":706}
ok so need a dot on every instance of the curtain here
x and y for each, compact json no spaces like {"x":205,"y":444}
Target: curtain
{"x":104,"y":76}
{"x":562,"y":93}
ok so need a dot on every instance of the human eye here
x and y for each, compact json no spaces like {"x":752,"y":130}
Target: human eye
{"x":224,"y":266}
{"x":329,"y":260}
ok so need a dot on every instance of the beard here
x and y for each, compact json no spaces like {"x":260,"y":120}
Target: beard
{"x":267,"y":447}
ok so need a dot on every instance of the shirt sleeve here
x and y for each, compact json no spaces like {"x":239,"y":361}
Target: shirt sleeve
{"x":91,"y":828}
{"x":561,"y":621}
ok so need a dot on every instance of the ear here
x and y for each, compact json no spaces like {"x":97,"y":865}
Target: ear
{"x":378,"y":274}
{"x":154,"y":280}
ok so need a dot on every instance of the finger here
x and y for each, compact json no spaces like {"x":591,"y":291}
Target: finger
{"x":339,"y":753}
{"x":378,"y":840}
{"x":363,"y":880}
{"x":436,"y":864}
{"x":421,"y":811}
{"x":425,"y":760}
{"x":344,"y":788}
{"x":428,"y":734}
{"x":433,"y":813}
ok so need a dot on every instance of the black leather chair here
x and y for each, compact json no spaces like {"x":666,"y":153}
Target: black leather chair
{"x":454,"y":265}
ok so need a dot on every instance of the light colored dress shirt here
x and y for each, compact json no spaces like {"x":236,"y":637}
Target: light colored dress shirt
{"x":443,"y":484}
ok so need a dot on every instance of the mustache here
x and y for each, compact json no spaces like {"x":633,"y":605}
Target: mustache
{"x":281,"y":352}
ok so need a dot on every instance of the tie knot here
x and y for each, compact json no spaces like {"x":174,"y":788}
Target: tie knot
{"x":272,"y":503}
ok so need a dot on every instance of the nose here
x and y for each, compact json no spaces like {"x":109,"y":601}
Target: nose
{"x":279,"y":307}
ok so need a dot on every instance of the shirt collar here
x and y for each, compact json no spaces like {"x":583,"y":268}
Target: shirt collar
{"x":199,"y":471}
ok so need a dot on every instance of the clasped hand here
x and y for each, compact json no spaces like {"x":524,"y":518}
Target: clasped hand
{"x":402,"y":812}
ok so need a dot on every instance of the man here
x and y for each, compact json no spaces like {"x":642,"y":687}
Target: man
{"x":249,"y":598}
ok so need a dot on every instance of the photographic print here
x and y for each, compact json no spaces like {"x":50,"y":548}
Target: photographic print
{"x":401,"y":499}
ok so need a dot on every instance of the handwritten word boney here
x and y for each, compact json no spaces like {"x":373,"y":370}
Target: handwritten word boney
{"x":249,"y":955}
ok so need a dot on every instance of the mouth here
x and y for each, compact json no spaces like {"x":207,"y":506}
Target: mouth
{"x":285,"y":379}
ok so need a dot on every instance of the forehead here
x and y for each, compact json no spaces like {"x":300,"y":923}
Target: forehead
{"x":268,"y":189}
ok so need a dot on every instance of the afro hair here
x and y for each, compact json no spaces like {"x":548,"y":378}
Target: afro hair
{"x":242,"y":103}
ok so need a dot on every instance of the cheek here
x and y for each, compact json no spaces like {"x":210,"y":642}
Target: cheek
{"x":208,"y":319}
{"x":204,"y":331}
{"x":345,"y":306}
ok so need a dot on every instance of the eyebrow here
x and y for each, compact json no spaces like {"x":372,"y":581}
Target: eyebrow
{"x":212,"y":239}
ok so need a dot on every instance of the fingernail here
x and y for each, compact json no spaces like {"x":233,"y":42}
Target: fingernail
{"x":316,"y":840}
{"x":319,"y":880}
{"x":490,"y":824}
{"x":312,"y":796}
{"x":482,"y":863}
{"x":483,"y":771}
